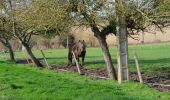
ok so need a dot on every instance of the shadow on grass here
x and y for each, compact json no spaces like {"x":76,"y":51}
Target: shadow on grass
{"x":66,"y":57}
{"x":94,"y":62}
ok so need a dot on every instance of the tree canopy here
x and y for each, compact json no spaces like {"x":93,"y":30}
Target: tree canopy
{"x":143,"y":14}
{"x":48,"y":17}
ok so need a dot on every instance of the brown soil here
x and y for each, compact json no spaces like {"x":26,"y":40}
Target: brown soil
{"x":160,"y":83}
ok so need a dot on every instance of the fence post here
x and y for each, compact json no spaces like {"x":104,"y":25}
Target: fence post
{"x":138,"y":67}
{"x":45,"y":59}
{"x":77,"y":64}
{"x":26,"y":57}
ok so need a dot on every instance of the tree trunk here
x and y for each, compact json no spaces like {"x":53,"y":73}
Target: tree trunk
{"x":107,"y":57}
{"x":122,"y":42}
{"x":33,"y":58}
{"x":6,"y":43}
{"x":142,"y":38}
{"x":11,"y":53}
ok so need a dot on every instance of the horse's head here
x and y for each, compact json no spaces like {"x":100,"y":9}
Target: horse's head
{"x":82,"y":45}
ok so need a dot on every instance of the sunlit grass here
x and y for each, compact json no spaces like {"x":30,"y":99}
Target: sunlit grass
{"x":152,"y":57}
{"x":22,"y":82}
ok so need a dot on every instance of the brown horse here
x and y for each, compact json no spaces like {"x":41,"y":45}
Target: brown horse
{"x":79,"y":49}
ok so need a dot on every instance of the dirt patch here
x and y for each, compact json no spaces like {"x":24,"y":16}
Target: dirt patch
{"x":23,"y":61}
{"x":85,"y":71}
{"x":28,"y":61}
{"x":160,"y":83}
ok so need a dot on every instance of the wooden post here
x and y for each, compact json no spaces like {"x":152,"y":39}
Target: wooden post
{"x":142,"y":38}
{"x":77,"y":64}
{"x":26,"y":57}
{"x":45,"y":59}
{"x":67,"y":42}
{"x":137,"y":66}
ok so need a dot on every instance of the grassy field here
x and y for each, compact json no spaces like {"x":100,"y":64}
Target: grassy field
{"x":22,"y":82}
{"x":154,"y":59}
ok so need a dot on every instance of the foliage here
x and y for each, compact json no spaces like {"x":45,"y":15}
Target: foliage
{"x":37,"y":17}
{"x":141,"y":15}
{"x":50,"y":18}
{"x":5,"y":28}
{"x":95,"y":13}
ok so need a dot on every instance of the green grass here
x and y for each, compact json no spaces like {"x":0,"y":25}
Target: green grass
{"x":22,"y":82}
{"x":154,"y":59}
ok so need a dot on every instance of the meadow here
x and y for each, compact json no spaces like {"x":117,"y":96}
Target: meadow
{"x":154,"y":59}
{"x":24,"y":82}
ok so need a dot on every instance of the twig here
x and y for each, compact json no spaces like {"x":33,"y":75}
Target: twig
{"x":62,"y":70}
{"x":156,"y":84}
{"x":100,"y":77}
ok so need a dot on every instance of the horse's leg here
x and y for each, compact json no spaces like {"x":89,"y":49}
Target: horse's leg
{"x":83,"y":60}
{"x":78,"y":59}
{"x":83,"y":57}
{"x":70,"y":58}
